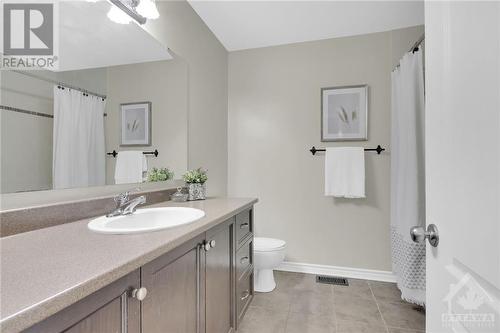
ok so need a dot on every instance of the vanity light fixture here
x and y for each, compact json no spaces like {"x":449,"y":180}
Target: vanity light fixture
{"x":123,"y":11}
{"x":118,"y":16}
{"x":147,"y":8}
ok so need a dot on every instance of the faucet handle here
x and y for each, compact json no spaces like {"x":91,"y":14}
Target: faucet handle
{"x":122,"y":198}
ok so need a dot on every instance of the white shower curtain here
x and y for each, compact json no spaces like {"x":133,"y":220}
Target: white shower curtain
{"x":407,"y":176}
{"x":78,"y":152}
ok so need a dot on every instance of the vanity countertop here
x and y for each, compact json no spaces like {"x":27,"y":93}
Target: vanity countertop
{"x":46,"y":270}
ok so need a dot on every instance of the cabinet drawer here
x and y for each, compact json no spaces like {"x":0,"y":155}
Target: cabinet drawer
{"x":243,"y":225}
{"x":244,"y":294}
{"x":244,"y":258}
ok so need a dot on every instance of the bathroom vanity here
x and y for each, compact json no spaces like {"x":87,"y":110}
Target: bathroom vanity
{"x":194,"y":278}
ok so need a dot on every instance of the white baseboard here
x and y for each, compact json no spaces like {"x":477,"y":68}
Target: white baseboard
{"x":354,"y":273}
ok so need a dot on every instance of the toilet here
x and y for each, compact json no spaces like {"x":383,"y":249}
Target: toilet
{"x":269,"y":253}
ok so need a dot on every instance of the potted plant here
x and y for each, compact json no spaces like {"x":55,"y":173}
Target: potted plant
{"x":195,"y":180}
{"x":159,"y":175}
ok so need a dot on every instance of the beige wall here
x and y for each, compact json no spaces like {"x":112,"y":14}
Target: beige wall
{"x":165,"y":85}
{"x":184,"y":32}
{"x":274,"y":119}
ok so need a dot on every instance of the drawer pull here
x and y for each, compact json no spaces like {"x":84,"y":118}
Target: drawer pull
{"x":246,"y":294}
{"x":244,"y":259}
{"x":244,"y":225}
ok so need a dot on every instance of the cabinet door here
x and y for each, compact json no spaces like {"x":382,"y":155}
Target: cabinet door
{"x":219,"y":279}
{"x":174,"y":303}
{"x":111,"y":309}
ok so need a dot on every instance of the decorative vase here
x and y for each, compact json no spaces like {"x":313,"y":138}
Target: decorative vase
{"x":196,"y":191}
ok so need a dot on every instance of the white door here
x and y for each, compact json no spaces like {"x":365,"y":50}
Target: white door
{"x":463,"y":165}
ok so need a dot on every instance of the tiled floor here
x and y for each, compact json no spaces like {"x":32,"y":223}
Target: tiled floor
{"x":300,"y":305}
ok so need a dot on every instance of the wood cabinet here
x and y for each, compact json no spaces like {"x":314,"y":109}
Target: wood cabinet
{"x":243,"y":263}
{"x":173,"y":303}
{"x":111,"y":309}
{"x":202,"y":286}
{"x":219,"y":279}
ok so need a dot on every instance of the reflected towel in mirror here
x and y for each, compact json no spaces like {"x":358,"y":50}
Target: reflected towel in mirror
{"x":130,"y":166}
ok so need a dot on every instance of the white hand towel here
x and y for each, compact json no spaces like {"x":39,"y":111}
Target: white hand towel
{"x":130,"y":166}
{"x":345,"y":172}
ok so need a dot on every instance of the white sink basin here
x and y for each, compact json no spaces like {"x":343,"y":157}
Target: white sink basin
{"x":144,"y":220}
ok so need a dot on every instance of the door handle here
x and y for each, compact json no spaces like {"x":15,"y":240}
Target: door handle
{"x":419,"y":235}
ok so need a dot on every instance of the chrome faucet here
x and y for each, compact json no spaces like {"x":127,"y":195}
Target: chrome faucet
{"x":125,"y":205}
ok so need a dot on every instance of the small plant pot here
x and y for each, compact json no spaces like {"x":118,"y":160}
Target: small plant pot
{"x":196,"y":191}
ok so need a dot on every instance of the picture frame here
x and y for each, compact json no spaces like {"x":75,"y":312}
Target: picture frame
{"x":344,"y":113}
{"x":135,"y":120}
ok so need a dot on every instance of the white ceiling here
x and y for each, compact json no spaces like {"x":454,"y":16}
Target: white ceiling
{"x":251,"y":24}
{"x":88,"y":39}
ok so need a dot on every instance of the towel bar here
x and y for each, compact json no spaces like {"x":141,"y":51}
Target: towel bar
{"x":379,"y":149}
{"x":114,"y":153}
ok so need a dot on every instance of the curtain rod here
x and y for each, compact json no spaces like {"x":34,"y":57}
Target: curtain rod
{"x":414,"y":48}
{"x":59,"y":83}
{"x":417,"y":43}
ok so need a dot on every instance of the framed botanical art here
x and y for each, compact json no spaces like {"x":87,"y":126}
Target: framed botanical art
{"x":135,"y":124}
{"x":344,"y":113}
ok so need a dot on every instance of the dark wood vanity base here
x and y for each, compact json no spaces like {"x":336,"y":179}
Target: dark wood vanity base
{"x":196,"y":278}
{"x":203,"y":285}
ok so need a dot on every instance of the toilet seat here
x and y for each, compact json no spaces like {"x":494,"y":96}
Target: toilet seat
{"x":263,"y":244}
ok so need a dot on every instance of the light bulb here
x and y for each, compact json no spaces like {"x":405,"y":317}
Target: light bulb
{"x":118,"y":16}
{"x":147,"y":8}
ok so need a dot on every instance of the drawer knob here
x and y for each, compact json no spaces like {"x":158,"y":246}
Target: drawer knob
{"x":209,"y":245}
{"x":140,"y":293}
{"x":246,"y":294}
{"x":244,"y":225}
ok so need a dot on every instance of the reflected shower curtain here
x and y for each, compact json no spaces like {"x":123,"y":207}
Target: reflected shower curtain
{"x":79,"y":151}
{"x":407,"y":176}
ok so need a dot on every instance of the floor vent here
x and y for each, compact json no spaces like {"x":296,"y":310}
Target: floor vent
{"x":340,"y":281}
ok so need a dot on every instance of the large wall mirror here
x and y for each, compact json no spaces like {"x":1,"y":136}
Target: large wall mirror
{"x":117,"y":89}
